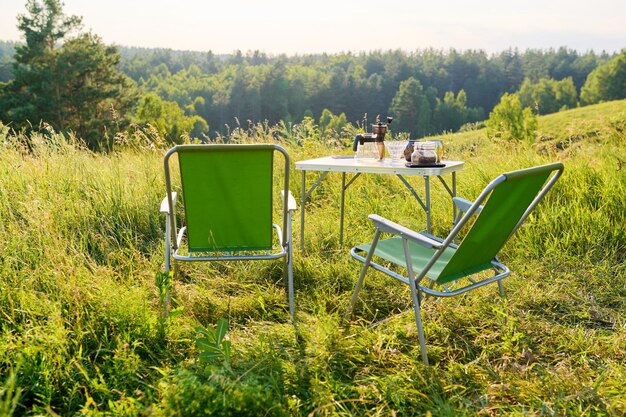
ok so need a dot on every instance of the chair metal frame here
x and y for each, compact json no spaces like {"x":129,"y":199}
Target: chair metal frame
{"x":466,"y":211}
{"x":174,"y":239}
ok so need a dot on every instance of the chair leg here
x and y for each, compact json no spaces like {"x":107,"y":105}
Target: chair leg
{"x":415,"y":296}
{"x":418,"y":321}
{"x":168,"y":236}
{"x":292,"y":307}
{"x":501,"y":287}
{"x":289,"y":267}
{"x":168,"y":263}
{"x":359,"y":283}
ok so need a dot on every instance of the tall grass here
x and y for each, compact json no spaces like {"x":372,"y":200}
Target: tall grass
{"x":81,"y":243}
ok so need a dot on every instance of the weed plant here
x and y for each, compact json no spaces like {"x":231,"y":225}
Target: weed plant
{"x":81,"y":317}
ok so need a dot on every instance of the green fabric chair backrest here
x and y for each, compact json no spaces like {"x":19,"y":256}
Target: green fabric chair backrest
{"x":227,"y":194}
{"x":503,"y":210}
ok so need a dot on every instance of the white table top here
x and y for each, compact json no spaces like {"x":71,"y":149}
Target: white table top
{"x":347,"y":163}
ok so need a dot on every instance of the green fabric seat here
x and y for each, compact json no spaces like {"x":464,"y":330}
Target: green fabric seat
{"x":501,"y":208}
{"x":391,"y":250}
{"x":228,"y":205}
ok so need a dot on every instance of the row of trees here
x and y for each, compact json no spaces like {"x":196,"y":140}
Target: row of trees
{"x":74,"y":82}
{"x":449,"y":88}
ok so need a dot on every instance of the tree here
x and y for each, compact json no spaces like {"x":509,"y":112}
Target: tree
{"x":451,"y":112}
{"x":606,"y":82}
{"x":169,"y":119}
{"x":7,"y":51}
{"x":548,"y":95}
{"x":411,"y":109}
{"x":31,"y":95}
{"x":509,"y":120}
{"x":274,"y":94}
{"x":565,"y":93}
{"x":73,"y":86}
{"x":330,"y":123}
{"x":94,"y":98}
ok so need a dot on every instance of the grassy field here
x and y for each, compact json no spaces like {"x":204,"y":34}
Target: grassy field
{"x":82,"y":330}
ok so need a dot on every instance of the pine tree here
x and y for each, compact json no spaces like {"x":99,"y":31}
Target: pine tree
{"x":69,"y":82}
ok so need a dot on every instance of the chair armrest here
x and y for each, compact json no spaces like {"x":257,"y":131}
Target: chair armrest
{"x":165,"y":205}
{"x":387,"y":226}
{"x":464,"y":205}
{"x":291,"y":201}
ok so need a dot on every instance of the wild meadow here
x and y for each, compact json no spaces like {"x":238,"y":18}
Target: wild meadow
{"x":83,"y":331}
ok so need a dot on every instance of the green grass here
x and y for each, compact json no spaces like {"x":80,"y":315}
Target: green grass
{"x":80,"y":317}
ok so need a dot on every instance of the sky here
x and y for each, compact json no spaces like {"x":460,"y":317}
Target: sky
{"x":298,"y":27}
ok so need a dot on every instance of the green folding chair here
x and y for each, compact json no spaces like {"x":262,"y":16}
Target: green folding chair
{"x":227,"y":193}
{"x":452,"y":269}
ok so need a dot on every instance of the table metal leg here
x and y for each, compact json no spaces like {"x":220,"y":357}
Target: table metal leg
{"x":302,"y":201}
{"x":453,"y":195}
{"x":305,"y":196}
{"x":343,"y":199}
{"x":451,"y":191}
{"x":412,"y":191}
{"x":344,"y":187}
{"x":427,"y":208}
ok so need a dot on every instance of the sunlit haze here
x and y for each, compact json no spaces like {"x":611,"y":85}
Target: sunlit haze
{"x":298,"y":27}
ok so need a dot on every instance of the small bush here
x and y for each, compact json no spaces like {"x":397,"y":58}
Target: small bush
{"x":509,"y":121}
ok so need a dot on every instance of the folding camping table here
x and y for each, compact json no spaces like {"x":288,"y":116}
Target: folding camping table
{"x":349,"y":164}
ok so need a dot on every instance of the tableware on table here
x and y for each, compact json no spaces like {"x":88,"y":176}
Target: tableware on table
{"x":424,"y":154}
{"x":395,"y":148}
{"x":439,"y":149}
{"x":408,"y":150}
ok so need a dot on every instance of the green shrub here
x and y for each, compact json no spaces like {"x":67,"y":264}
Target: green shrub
{"x":509,"y":121}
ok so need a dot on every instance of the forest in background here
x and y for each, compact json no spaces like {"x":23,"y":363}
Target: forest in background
{"x":446,"y":88}
{"x":185,"y":95}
